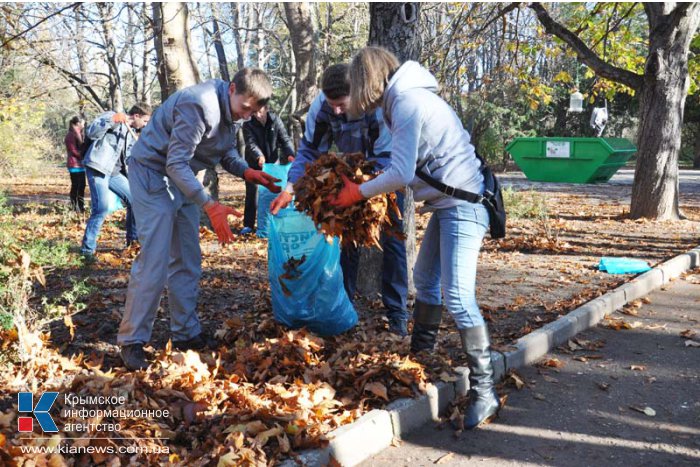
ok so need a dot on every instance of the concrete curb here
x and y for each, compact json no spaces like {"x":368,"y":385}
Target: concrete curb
{"x":375,"y":431}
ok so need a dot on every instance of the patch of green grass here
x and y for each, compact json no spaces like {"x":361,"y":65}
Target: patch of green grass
{"x":525,"y":204}
{"x":6,"y":321}
{"x":51,"y":253}
{"x":70,"y":300}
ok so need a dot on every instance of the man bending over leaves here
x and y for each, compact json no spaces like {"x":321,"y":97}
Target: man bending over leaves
{"x":194,"y":129}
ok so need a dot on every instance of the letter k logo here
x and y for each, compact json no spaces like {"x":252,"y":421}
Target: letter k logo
{"x":25,"y":403}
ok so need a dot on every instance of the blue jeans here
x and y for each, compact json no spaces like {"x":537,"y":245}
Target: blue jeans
{"x":447,"y":259}
{"x":394,"y":269}
{"x":100,"y":185}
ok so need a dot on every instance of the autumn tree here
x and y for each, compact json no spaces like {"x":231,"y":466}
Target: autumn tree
{"x":662,"y":87}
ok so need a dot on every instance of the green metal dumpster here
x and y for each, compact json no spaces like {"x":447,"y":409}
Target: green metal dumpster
{"x":570,"y":160}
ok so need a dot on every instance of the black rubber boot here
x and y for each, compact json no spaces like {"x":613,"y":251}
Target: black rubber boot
{"x":483,"y":399}
{"x":198,"y":342}
{"x":426,"y":323}
{"x":133,"y":357}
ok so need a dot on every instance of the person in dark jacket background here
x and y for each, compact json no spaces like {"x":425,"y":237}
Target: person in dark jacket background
{"x":266,"y":141}
{"x":74,"y":141}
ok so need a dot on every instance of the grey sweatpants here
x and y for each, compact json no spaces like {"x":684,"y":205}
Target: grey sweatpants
{"x":168,"y":226}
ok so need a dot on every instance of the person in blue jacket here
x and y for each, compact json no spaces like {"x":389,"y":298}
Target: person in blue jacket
{"x":328,"y":123}
{"x":194,"y":129}
{"x":111,"y":139}
{"x":434,"y":141}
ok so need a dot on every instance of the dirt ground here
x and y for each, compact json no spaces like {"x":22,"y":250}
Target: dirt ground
{"x":541,"y":270}
{"x":545,"y":267}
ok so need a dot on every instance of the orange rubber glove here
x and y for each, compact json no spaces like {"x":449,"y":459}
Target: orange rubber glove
{"x":120,"y":117}
{"x":281,"y":202}
{"x":218,"y":214}
{"x":261,"y":178}
{"x":349,"y":195}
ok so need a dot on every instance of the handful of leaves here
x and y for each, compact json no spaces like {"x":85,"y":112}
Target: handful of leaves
{"x":358,"y":225}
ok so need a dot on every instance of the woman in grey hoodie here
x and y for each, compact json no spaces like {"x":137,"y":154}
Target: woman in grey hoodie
{"x":429,"y":137}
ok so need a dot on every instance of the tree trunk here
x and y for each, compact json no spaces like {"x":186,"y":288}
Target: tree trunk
{"x":302,"y":36}
{"x":218,"y":45}
{"x":240,"y":36}
{"x":395,"y":26}
{"x":655,"y":189}
{"x":176,"y":66}
{"x":662,"y":102}
{"x":260,"y":38}
{"x":147,"y":73}
{"x":106,"y":11}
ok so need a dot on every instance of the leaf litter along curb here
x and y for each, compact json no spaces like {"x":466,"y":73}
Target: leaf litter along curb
{"x":517,"y":288}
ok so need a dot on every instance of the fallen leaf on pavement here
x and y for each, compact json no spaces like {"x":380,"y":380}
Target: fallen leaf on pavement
{"x":690,"y":343}
{"x":538,"y":396}
{"x":603,"y":386}
{"x":688,"y":334}
{"x":444,"y":458}
{"x":648,"y":411}
{"x":552,"y":363}
{"x":516,"y":380}
{"x":638,"y":367}
{"x":616,"y":323}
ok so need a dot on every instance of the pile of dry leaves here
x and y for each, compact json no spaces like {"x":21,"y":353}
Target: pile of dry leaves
{"x":266,"y":393}
{"x":358,"y":225}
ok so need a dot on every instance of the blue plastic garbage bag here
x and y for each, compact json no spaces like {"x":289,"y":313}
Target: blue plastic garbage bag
{"x":114,"y":203}
{"x":311,"y":294}
{"x":265,"y":196}
{"x":623,"y":265}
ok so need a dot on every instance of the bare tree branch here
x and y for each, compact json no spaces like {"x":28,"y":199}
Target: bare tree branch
{"x":19,"y":34}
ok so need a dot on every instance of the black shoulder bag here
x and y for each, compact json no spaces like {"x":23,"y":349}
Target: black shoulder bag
{"x":492,"y":198}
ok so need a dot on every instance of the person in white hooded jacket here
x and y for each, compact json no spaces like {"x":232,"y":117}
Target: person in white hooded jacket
{"x":429,"y":137}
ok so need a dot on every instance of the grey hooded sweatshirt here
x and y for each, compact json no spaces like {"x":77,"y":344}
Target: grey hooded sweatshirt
{"x":191,"y":131}
{"x":426,"y":133}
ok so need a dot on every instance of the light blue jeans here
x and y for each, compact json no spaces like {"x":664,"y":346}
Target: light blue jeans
{"x":447,"y":261}
{"x":100,"y":186}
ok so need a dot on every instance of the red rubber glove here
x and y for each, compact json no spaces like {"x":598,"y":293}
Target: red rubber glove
{"x":120,"y":118}
{"x":218,"y":214}
{"x":261,"y":178}
{"x":281,"y":202}
{"x":349,"y":195}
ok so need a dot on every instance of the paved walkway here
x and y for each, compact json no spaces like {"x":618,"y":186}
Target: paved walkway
{"x":591,"y":412}
{"x":619,"y":187}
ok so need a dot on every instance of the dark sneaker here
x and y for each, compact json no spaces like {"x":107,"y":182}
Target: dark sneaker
{"x":398,"y":326}
{"x":198,"y":342}
{"x":133,"y":357}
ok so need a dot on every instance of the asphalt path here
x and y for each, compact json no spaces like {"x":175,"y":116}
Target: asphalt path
{"x":635,"y":401}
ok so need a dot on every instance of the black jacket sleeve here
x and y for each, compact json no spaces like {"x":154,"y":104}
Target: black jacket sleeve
{"x":252,"y":147}
{"x":284,"y":142}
